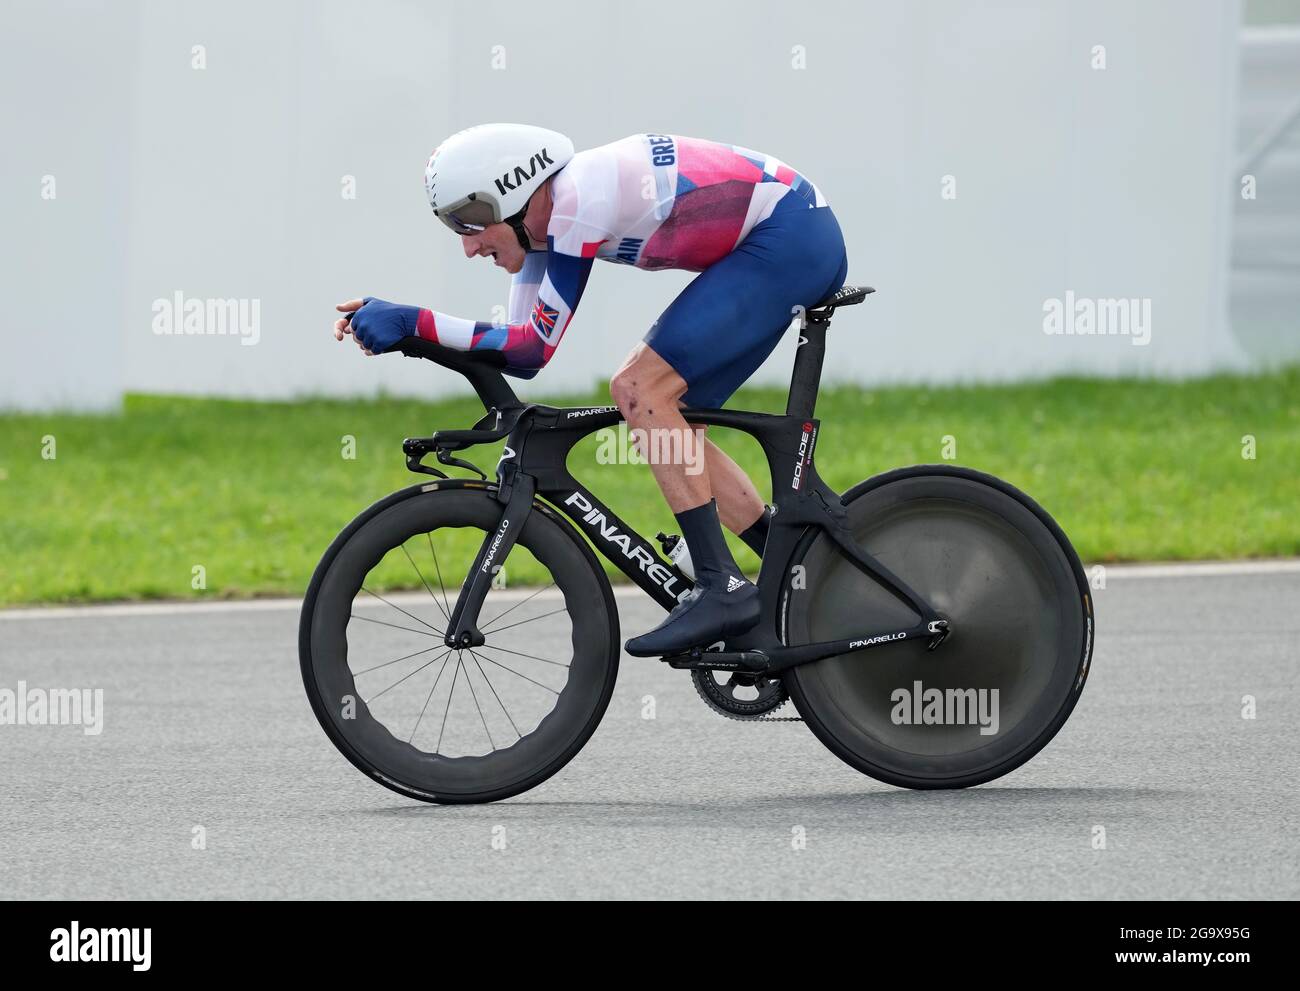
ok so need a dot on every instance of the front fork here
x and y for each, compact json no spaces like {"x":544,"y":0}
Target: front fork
{"x":462,"y":629}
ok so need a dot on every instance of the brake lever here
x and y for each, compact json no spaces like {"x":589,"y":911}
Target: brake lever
{"x":415,"y":448}
{"x":413,"y":463}
{"x":445,"y":457}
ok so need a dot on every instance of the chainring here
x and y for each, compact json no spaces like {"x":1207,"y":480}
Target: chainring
{"x":721,"y":697}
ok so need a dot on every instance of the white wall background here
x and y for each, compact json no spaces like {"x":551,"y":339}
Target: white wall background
{"x":225,"y":181}
{"x":1265,"y":279}
{"x":65,"y":93}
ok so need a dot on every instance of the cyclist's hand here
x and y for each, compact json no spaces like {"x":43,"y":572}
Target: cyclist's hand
{"x":376,"y":324}
{"x":342,"y":326}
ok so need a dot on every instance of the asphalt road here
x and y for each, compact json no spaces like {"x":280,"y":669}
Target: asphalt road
{"x":206,"y":725}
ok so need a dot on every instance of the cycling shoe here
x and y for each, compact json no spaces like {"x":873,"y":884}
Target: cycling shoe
{"x":706,"y":614}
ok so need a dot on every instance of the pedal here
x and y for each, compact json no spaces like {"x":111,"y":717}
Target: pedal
{"x":940,"y":631}
{"x":713,"y":660}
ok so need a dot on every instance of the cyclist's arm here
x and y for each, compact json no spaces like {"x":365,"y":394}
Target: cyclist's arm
{"x":536,"y":325}
{"x":584,"y":212}
{"x":524,"y":286}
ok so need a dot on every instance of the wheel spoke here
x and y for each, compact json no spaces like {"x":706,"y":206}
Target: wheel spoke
{"x":494,"y":692}
{"x":420,"y":574}
{"x":483,"y":719}
{"x":511,"y":626}
{"x":416,"y":671}
{"x":408,"y":629}
{"x":446,"y":611}
{"x":487,"y":627}
{"x":524,"y":676}
{"x":517,"y":653}
{"x":427,"y":700}
{"x":402,"y":611}
{"x":454,"y":675}
{"x":406,"y":657}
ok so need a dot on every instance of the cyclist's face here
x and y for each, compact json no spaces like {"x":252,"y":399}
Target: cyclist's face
{"x":497,"y":242}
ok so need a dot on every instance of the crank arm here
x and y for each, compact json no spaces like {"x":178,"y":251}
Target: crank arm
{"x":719,"y":660}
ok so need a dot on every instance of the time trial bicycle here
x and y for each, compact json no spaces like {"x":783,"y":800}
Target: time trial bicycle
{"x":932,"y":625}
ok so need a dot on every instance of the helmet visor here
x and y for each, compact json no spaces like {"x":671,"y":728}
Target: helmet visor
{"x":469,"y":216}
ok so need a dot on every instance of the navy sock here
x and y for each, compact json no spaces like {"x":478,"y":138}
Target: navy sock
{"x":710,"y":555}
{"x":755,"y":537}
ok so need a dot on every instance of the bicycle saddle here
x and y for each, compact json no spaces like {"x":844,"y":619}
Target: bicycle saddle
{"x":846,"y":296}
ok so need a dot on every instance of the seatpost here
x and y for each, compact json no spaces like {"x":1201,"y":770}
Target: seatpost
{"x":807,"y":374}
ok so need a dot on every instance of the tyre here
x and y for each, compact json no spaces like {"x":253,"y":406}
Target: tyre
{"x":990,"y":560}
{"x":456,"y":726}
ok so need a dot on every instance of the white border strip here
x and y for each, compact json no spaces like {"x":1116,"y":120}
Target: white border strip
{"x":1190,"y":569}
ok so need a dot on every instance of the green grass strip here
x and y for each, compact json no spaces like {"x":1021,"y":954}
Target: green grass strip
{"x":252,"y":492}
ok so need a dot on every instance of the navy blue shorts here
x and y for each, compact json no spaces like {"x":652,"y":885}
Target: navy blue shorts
{"x":726,"y":322}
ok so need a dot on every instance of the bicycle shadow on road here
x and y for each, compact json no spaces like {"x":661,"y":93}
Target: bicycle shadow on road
{"x":981,"y":807}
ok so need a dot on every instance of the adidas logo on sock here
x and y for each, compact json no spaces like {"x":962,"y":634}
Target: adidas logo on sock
{"x":734,"y":583}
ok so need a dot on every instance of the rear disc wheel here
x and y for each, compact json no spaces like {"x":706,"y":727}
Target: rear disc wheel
{"x":994,"y":564}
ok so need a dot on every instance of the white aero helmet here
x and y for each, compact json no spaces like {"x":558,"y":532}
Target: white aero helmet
{"x":485,"y":175}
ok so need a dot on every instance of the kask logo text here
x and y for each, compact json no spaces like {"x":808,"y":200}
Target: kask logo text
{"x":522,"y":173}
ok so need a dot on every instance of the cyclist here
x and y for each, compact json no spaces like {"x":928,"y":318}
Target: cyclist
{"x":760,"y":234}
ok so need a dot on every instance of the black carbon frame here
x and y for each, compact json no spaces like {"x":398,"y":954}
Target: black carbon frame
{"x":534,"y":463}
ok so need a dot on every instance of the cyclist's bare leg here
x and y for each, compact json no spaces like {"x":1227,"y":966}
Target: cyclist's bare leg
{"x":648,"y":391}
{"x":739,"y":504}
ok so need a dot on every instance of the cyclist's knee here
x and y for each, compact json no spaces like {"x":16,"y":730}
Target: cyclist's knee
{"x":636,"y":389}
{"x":622,"y":389}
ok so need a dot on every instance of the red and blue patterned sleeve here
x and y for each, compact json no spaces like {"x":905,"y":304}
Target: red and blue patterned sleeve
{"x":581,"y":219}
{"x":526,"y":342}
